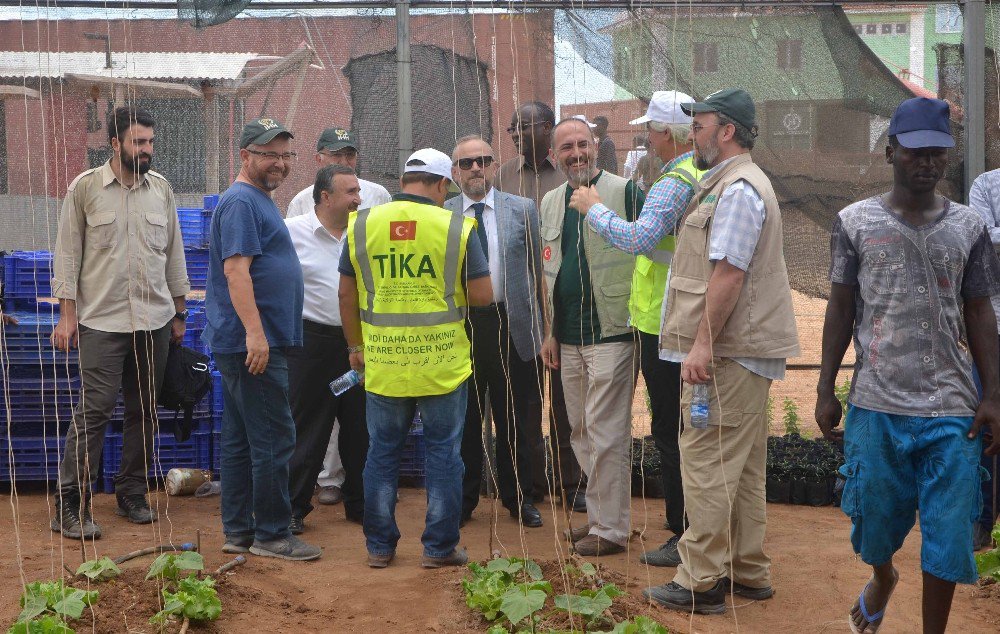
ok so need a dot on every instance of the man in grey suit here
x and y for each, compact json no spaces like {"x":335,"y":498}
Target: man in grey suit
{"x":505,"y":336}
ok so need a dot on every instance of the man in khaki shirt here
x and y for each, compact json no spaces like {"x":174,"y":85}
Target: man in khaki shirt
{"x":532,"y":174}
{"x":120,"y":277}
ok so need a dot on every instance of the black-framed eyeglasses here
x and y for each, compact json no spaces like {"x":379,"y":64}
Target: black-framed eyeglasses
{"x":467,"y":163}
{"x":274,"y":156}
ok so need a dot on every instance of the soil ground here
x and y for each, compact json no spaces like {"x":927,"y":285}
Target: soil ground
{"x":816,"y":575}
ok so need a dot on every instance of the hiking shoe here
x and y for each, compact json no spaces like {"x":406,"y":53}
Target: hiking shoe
{"x":237,"y":544}
{"x":456,"y":558}
{"x":380,"y":561}
{"x":677,"y":597}
{"x":291,"y":548}
{"x":666,"y":555}
{"x":329,"y":495}
{"x":740,"y":590}
{"x":594,"y":546}
{"x":68,"y":521}
{"x":135,"y":508}
{"x":576,"y":534}
{"x":297,"y":525}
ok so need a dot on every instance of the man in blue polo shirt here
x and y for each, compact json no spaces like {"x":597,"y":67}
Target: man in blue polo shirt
{"x":254,"y":310}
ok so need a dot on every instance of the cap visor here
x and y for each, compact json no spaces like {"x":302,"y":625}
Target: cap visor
{"x":340,"y":145}
{"x":925,"y":138}
{"x":271,"y":135}
{"x":643,"y":119}
{"x":696,"y":107}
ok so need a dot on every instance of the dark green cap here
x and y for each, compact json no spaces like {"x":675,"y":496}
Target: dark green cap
{"x":261,"y":132}
{"x":735,"y":103}
{"x":334,"y":139}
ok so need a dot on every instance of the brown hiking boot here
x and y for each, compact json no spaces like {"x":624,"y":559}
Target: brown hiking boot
{"x":456,"y":558}
{"x":578,"y":533}
{"x":594,"y":546}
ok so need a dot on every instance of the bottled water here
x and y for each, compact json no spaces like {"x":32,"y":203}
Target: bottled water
{"x":699,"y":406}
{"x":341,"y":384}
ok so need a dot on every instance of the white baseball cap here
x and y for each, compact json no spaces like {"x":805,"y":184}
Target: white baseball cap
{"x":583,"y":117}
{"x":665,"y":107}
{"x":430,"y":161}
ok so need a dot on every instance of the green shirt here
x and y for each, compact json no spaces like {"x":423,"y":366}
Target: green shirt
{"x":576,"y":322}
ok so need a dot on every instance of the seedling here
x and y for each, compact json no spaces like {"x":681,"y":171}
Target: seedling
{"x":54,"y":603}
{"x":195,"y":599}
{"x":169,"y":565}
{"x":102,"y":569}
{"x":589,"y":604}
{"x":791,"y":418}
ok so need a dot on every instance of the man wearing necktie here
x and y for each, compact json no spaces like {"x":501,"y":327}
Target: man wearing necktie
{"x":505,"y":336}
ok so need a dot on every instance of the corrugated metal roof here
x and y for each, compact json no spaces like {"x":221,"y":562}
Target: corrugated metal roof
{"x":182,"y":66}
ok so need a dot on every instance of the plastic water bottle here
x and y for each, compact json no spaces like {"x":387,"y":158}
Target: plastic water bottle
{"x":699,"y":406}
{"x":343,"y":383}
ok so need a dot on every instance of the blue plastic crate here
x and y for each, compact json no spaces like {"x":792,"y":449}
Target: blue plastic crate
{"x":37,"y":406}
{"x":216,"y":454}
{"x":195,"y":226}
{"x":27,"y":274}
{"x":195,"y":453}
{"x":27,"y":344}
{"x":211,"y":201}
{"x":217,"y":401}
{"x":34,"y":459}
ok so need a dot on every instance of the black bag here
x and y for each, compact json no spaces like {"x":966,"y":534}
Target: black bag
{"x":185,"y":383}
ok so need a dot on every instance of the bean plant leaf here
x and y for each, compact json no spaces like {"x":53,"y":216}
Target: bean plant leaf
{"x":169,"y":565}
{"x":101,"y":569}
{"x":520,"y":601}
{"x":32,"y":605}
{"x":48,"y":624}
{"x":73,"y":604}
{"x":583,"y":605}
{"x":534,"y":570}
{"x":510,"y":566}
{"x":588,"y":569}
{"x":640,"y":625}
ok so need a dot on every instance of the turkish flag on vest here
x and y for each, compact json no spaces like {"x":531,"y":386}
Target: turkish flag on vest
{"x":403,"y":230}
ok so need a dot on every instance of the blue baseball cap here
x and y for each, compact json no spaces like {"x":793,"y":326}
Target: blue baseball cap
{"x":921,"y":122}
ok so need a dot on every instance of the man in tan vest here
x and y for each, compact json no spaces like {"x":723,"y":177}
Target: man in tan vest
{"x":729,"y":320}
{"x":588,"y":284}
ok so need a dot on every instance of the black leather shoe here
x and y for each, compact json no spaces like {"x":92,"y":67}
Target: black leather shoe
{"x":579,"y":502}
{"x":677,"y":597}
{"x":529,"y":515}
{"x":740,"y":590}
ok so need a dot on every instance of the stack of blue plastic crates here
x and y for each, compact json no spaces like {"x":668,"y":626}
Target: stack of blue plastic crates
{"x":27,"y":275}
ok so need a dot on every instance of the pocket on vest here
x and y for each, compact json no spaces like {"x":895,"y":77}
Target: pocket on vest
{"x":688,"y":304}
{"x":617,"y":300}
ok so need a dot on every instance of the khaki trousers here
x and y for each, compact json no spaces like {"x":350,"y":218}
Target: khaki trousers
{"x":723,"y":471}
{"x":599,"y":381}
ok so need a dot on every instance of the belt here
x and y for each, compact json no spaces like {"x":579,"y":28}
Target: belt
{"x":322,"y":329}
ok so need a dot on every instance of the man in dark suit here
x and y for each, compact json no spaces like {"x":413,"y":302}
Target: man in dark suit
{"x":505,"y":336}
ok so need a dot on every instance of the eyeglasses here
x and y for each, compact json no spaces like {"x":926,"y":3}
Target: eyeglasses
{"x":345,"y":153}
{"x":467,"y":163}
{"x":697,"y":127}
{"x":274,"y":156}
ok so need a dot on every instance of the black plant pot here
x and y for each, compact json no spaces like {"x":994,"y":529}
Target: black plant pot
{"x":778,"y":490}
{"x":650,"y":486}
{"x":798,"y":493}
{"x":818,"y":493}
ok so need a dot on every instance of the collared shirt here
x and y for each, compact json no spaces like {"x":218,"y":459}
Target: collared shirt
{"x":665,"y":204}
{"x":910,"y":284}
{"x":518,"y":177}
{"x":372,"y":194}
{"x":984,"y":197}
{"x":119,"y":252}
{"x":319,"y":254}
{"x":736,"y":226}
{"x":492,"y":248}
{"x":632,"y":161}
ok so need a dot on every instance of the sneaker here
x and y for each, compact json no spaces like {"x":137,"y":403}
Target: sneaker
{"x":740,"y":590}
{"x":297,"y":525}
{"x":578,"y":533}
{"x":68,"y":521}
{"x":665,"y":556}
{"x":291,"y":548}
{"x":981,"y":537}
{"x":329,"y":495}
{"x":380,"y":561}
{"x":594,"y":546}
{"x":136,"y":509}
{"x":456,"y":558}
{"x":236,"y":545}
{"x":677,"y":597}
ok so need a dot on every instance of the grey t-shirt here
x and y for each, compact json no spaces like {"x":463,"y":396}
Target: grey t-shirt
{"x":910,"y":284}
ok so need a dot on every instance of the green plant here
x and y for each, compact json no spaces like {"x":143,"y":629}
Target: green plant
{"x":46,"y":625}
{"x":769,"y":409}
{"x":54,"y":603}
{"x":169,"y":565}
{"x":842,"y":391}
{"x":195,"y":599}
{"x":988,"y":563}
{"x":102,"y":569}
{"x":791,"y":417}
{"x":510,"y":587}
{"x":590,"y":604}
{"x":639,"y":625}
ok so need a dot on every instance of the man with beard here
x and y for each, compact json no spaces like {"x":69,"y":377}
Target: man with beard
{"x":532,"y":174}
{"x":120,"y":277}
{"x":254,"y":309}
{"x":319,"y":239}
{"x":506,"y":336}
{"x":729,"y":321}
{"x":590,"y":339}
{"x":912,"y":276}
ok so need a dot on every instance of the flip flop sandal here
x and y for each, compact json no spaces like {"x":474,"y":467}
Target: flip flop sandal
{"x":871,"y":618}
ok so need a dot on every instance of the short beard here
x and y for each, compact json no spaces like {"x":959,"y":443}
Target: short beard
{"x":135,"y":165}
{"x":705,"y":157}
{"x":476,"y":189}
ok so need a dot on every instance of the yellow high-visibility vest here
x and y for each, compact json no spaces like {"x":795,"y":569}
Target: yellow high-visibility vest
{"x":649,"y":279}
{"x":408,"y":258}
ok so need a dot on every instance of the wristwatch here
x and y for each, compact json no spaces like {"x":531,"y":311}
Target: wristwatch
{"x":183,"y":315}
{"x":353,"y":349}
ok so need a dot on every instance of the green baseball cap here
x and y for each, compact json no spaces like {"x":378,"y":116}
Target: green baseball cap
{"x":735,"y":103}
{"x":262,"y":131}
{"x":334,"y":139}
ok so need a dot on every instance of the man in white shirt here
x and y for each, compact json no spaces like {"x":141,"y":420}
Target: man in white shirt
{"x":336,"y":146}
{"x":319,"y":239}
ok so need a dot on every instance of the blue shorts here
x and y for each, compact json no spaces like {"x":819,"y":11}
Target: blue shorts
{"x":898,"y":464}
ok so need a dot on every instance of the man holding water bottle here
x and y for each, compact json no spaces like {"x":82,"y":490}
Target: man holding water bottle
{"x":729,"y":321}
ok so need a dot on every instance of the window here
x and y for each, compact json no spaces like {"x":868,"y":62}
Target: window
{"x":947,"y":18}
{"x":902,"y":28}
{"x":790,"y":54}
{"x":633,"y":60}
{"x":886,"y":29}
{"x":871,"y":29}
{"x":706,"y":57}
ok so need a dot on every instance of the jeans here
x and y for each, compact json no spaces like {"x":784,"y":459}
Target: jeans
{"x":258,"y":438}
{"x":389,"y":421}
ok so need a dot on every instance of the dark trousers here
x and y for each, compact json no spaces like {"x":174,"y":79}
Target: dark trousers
{"x":134,"y":362}
{"x":663,"y":384}
{"x":322,"y":358}
{"x":515,"y":400}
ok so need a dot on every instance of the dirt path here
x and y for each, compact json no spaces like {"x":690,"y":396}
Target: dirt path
{"x":815,"y":573}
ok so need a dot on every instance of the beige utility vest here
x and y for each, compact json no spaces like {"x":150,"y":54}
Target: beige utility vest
{"x":762,"y":324}
{"x":610,"y":269}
